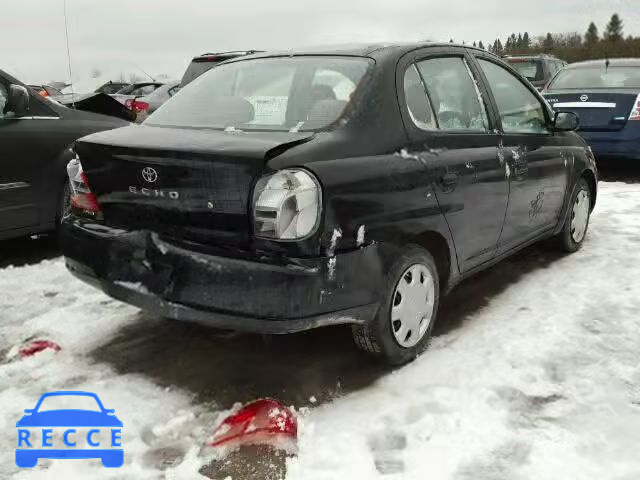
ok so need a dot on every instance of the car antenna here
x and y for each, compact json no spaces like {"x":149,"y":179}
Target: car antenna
{"x":152,"y":79}
{"x":66,"y":31}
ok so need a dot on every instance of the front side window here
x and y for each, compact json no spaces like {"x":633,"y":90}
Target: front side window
{"x":454,"y":94}
{"x":275,"y":94}
{"x":520,"y":110}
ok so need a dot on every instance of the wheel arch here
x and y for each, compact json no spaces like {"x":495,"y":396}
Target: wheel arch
{"x":590,"y":177}
{"x":442,"y":253}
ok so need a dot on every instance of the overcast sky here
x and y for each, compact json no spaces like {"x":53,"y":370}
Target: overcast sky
{"x":160,"y":36}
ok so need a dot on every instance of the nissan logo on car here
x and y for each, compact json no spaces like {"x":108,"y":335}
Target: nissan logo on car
{"x":149,"y":175}
{"x":584,"y":98}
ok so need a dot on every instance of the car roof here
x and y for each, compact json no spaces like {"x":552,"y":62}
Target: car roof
{"x":224,"y":55}
{"x":613,"y":62}
{"x":362,"y":49}
{"x":64,"y":393}
{"x":532,"y":56}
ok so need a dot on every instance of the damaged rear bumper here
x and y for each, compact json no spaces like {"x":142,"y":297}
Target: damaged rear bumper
{"x":223,"y":288}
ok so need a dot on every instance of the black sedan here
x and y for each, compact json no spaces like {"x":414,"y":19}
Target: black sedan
{"x":284,"y":192}
{"x":35,"y":136}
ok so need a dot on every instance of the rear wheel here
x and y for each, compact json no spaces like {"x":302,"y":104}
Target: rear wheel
{"x":401,"y":329}
{"x":577,"y":223}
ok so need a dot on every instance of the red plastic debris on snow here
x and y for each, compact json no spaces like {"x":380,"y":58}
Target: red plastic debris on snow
{"x":38,"y":346}
{"x":265,"y":421}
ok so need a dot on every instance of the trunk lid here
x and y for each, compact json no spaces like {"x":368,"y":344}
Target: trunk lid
{"x":189,"y":184}
{"x":598,"y":110}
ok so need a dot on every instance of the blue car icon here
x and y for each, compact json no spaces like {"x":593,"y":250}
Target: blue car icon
{"x":38,"y":418}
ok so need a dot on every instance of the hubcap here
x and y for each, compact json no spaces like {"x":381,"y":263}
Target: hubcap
{"x":412,"y":305}
{"x":580,"y":216}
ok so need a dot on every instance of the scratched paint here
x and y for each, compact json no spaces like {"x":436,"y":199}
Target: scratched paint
{"x":501,"y":153}
{"x":331,"y":266}
{"x":360,"y":236}
{"x":536,"y":206}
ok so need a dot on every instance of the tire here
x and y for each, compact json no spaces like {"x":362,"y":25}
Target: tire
{"x":572,"y":236}
{"x":379,"y":336}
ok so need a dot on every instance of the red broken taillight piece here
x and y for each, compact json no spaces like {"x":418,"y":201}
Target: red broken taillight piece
{"x":82,"y":197}
{"x":138,"y":106}
{"x":38,"y":346}
{"x":263,"y":422}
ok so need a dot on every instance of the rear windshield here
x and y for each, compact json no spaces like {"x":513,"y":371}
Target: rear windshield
{"x":275,"y":94}
{"x":195,"y":69}
{"x":597,"y":77}
{"x":531,"y":69}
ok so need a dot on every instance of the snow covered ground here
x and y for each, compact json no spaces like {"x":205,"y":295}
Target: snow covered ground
{"x":540,"y":380}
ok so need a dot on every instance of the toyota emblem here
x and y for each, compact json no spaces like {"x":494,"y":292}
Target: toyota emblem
{"x":149,"y":174}
{"x":584,"y":98}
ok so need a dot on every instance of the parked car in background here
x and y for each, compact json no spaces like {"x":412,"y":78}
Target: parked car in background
{"x":207,"y":61}
{"x":538,"y":69}
{"x":111,"y":87}
{"x":135,"y":90}
{"x":94,"y":85}
{"x":605,"y":94}
{"x":46,"y":90}
{"x":35,"y":135}
{"x":332,"y":186}
{"x":146,"y":105}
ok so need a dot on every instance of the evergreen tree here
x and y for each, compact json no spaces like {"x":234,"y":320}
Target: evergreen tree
{"x":451,"y":40}
{"x":613,"y":33}
{"x":591,"y":37}
{"x":513,"y":42}
{"x":548,"y":43}
{"x":500,"y":49}
{"x":474,"y":43}
{"x":519,"y":41}
{"x":480,"y":45}
{"x":526,"y":41}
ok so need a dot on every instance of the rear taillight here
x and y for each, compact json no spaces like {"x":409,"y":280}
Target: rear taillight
{"x":138,"y":106}
{"x":82,"y":198}
{"x":635,"y":111}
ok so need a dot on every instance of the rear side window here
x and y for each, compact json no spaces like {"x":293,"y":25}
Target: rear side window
{"x":520,"y":110}
{"x":417,"y":102}
{"x":454,"y":94}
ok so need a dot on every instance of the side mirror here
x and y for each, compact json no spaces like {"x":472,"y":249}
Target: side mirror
{"x":28,"y":410}
{"x":566,"y":122}
{"x":18,"y":102}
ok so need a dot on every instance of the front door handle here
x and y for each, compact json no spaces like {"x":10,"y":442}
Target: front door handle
{"x":449,"y":179}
